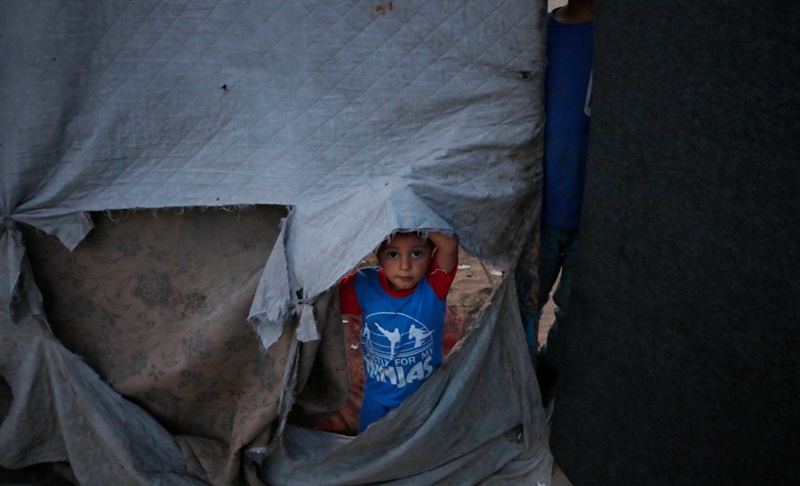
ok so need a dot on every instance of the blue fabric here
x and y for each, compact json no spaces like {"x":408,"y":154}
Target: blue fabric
{"x":567,"y":88}
{"x":526,"y":279}
{"x":401,"y":337}
{"x":557,"y":253}
{"x":371,"y":411}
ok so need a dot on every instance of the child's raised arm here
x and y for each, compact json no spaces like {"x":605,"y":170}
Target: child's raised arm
{"x":446,"y":250}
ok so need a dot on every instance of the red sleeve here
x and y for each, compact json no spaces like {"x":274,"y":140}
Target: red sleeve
{"x":439,"y":280}
{"x":348,"y":301}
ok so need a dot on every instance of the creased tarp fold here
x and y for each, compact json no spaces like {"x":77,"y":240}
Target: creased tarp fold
{"x":485,"y":391}
{"x":13,"y":251}
{"x":274,"y":301}
{"x":105,"y":438}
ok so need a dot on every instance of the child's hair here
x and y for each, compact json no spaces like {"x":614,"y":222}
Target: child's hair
{"x":421,"y":234}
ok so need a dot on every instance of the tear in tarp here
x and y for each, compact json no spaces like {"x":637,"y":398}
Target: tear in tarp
{"x":361,"y":120}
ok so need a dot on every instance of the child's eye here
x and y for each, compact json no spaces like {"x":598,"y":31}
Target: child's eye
{"x":392,"y":255}
{"x":416,"y":253}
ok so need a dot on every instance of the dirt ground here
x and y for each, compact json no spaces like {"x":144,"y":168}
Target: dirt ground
{"x":474,"y":284}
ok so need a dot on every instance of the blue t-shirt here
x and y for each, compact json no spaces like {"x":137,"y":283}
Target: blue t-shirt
{"x":567,"y":96}
{"x":401,"y":337}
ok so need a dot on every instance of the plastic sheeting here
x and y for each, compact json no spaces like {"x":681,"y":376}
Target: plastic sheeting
{"x":361,"y":117}
{"x":479,"y":417}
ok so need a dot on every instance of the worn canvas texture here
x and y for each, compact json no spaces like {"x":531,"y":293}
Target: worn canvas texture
{"x":183,"y":182}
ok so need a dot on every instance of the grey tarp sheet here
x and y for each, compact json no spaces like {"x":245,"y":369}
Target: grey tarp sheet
{"x":482,"y":394}
{"x":361,"y":117}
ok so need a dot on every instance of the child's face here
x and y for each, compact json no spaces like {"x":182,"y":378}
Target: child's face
{"x":404,"y":260}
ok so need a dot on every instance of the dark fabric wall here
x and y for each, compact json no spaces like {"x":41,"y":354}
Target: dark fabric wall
{"x":682,"y":363}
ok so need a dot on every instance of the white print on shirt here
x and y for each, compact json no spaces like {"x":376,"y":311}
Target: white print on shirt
{"x":393,"y":356}
{"x":393,"y":337}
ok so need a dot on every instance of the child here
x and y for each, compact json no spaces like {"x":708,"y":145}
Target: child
{"x":402,"y":304}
